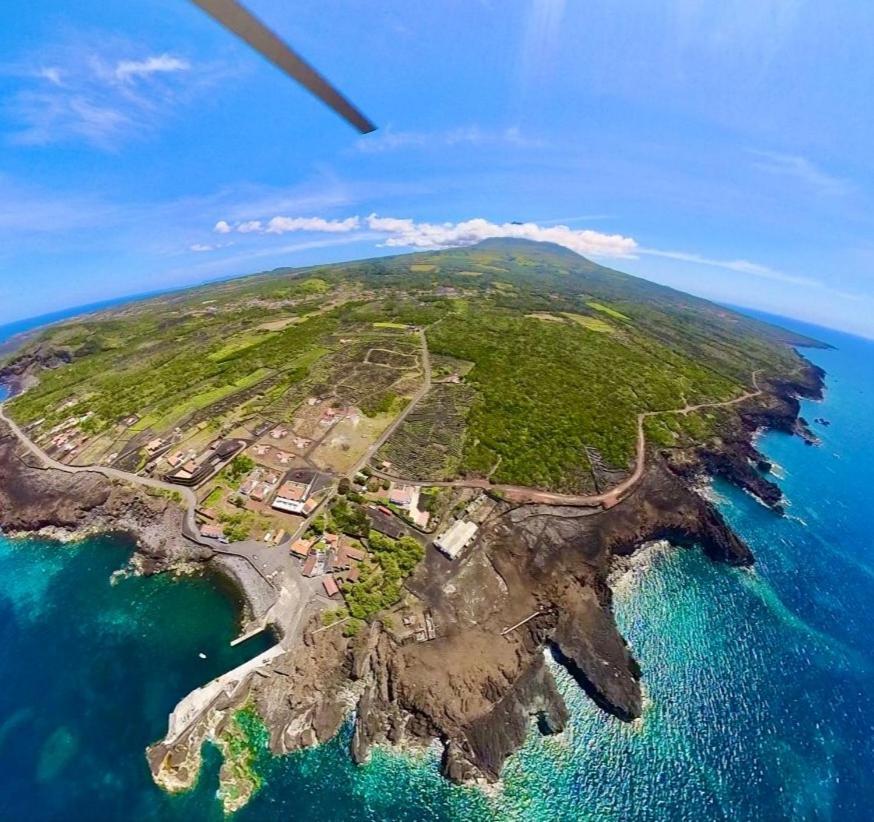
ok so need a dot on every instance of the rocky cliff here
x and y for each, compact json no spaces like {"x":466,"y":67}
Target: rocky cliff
{"x":534,"y":583}
{"x":35,"y":499}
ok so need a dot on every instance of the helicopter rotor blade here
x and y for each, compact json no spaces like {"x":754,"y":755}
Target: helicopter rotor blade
{"x":237,"y":19}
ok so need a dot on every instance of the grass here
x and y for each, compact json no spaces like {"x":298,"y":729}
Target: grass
{"x":605,"y":309}
{"x":237,"y":345}
{"x":592,"y":323}
{"x":544,"y":397}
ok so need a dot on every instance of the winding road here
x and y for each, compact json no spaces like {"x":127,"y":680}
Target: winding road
{"x":523,"y":494}
{"x":112,"y":473}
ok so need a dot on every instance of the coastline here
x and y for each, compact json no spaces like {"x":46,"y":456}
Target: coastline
{"x":568,"y":588}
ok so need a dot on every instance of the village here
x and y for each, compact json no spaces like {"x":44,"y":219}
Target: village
{"x":306,"y":478}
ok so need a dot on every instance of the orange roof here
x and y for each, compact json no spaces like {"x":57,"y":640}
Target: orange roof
{"x":292,"y":490}
{"x":354,"y":554}
{"x":301,"y":547}
{"x":330,"y":586}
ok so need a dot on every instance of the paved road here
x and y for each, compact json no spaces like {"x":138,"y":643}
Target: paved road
{"x":112,"y":473}
{"x":523,"y":494}
{"x":272,"y":563}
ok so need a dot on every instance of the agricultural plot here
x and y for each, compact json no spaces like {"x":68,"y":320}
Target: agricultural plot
{"x":429,"y":443}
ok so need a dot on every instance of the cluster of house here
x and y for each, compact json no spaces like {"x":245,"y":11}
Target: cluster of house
{"x":68,"y":442}
{"x":154,"y":446}
{"x":265,"y":451}
{"x":186,"y":459}
{"x":419,"y":626}
{"x":195,"y":470}
{"x":259,"y":484}
{"x":65,"y":436}
{"x":334,"y":557}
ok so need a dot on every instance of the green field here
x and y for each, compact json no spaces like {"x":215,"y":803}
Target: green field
{"x":556,"y":356}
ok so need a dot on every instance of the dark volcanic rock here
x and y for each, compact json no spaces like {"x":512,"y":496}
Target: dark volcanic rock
{"x":35,"y":499}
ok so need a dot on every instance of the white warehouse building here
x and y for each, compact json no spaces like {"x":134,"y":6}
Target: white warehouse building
{"x":456,"y":538}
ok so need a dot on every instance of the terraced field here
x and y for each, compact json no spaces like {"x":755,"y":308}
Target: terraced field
{"x":429,"y":443}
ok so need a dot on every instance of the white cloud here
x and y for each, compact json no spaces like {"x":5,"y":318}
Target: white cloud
{"x":126,"y":70}
{"x":89,"y":89}
{"x":801,"y":169}
{"x":286,"y":225}
{"x":51,"y":73}
{"x":740,"y":266}
{"x":201,"y":247}
{"x":387,"y":140}
{"x":406,"y":233}
{"x":410,"y":234}
{"x":282,"y":225}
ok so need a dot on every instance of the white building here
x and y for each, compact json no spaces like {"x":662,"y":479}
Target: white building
{"x":456,"y":538}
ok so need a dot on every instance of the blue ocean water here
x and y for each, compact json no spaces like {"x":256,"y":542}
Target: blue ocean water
{"x":758,"y":682}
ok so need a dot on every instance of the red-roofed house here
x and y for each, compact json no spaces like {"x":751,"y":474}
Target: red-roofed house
{"x":301,"y":547}
{"x":331,"y":588}
{"x":309,"y":566}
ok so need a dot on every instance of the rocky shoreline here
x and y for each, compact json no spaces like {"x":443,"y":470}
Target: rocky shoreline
{"x":476,"y":687}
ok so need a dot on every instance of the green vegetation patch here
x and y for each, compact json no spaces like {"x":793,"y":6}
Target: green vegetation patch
{"x":243,"y":742}
{"x":592,"y":323}
{"x":381,"y":576}
{"x":547,"y":391}
{"x":605,"y":309}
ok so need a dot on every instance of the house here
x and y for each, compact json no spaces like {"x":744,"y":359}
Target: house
{"x":330,"y":585}
{"x":175,"y":459}
{"x":401,"y":495}
{"x":249,"y":485}
{"x":309,"y":567}
{"x":291,"y":497}
{"x":227,"y":448}
{"x":260,"y":491}
{"x":261,"y":429}
{"x":261,"y":450}
{"x":211,"y":531}
{"x":456,"y":538}
{"x":301,"y":547}
{"x":154,"y":446}
{"x":354,"y":573}
{"x":348,"y":556}
{"x":310,"y":505}
{"x":279,"y":433}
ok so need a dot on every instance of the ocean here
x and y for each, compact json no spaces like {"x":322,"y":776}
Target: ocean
{"x":758,"y":682}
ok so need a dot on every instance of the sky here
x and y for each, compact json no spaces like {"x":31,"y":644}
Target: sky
{"x":722,"y":147}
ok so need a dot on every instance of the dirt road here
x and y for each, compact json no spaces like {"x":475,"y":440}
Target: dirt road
{"x":522,"y":494}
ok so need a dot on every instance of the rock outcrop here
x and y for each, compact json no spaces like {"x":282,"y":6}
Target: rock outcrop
{"x":34,"y":499}
{"x":534,"y":583}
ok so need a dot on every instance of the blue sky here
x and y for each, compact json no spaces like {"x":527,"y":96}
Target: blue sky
{"x":722,"y":147}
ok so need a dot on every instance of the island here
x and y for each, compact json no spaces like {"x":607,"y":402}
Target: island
{"x":419,"y":471}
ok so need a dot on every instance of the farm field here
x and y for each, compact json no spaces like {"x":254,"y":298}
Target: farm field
{"x":540,"y":363}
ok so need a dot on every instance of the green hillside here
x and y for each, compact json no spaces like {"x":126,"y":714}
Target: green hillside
{"x":552,"y":357}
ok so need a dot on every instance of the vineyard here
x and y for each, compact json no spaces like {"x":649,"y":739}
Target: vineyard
{"x":429,"y":443}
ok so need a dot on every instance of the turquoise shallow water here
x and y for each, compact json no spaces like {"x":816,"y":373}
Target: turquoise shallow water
{"x":758,"y":682}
